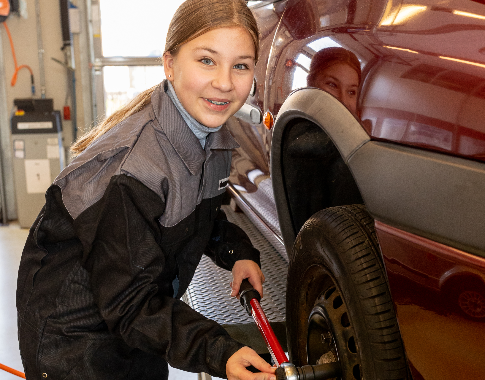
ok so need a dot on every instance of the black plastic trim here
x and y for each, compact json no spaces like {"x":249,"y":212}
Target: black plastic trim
{"x":430,"y":194}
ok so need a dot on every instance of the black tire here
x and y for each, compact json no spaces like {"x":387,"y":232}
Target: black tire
{"x":338,"y":303}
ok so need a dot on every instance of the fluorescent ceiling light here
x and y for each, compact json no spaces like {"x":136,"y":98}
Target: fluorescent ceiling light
{"x":401,"y":49}
{"x":466,"y":14}
{"x":463,"y":61}
{"x":404,"y":14}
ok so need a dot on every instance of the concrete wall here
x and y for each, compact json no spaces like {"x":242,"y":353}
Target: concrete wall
{"x":24,"y":34}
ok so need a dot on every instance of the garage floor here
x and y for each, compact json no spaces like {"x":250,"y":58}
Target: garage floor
{"x":12,"y":239}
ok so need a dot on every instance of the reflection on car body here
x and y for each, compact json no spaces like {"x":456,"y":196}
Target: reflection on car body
{"x":415,"y":157}
{"x":336,"y":71}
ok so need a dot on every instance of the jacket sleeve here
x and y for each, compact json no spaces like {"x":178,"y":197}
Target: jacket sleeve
{"x":125,"y":263}
{"x":229,"y":243}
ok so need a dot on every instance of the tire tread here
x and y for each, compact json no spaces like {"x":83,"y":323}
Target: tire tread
{"x":350,"y":230}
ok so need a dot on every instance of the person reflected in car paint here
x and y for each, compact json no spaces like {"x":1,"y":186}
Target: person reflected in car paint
{"x":337,"y":71}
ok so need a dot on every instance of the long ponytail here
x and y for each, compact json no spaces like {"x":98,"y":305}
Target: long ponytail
{"x":137,"y":104}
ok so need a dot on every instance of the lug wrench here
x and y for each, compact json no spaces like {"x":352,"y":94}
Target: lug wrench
{"x":250,"y":299}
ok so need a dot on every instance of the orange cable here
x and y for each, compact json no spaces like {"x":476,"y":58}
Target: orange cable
{"x":12,"y":371}
{"x":11,"y":43}
{"x":17,"y":68}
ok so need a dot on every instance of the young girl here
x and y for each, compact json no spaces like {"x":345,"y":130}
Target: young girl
{"x":125,"y":224}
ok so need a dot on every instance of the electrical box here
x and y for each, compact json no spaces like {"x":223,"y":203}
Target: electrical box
{"x":38,"y":154}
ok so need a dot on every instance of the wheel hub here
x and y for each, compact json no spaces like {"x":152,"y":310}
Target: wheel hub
{"x":331,"y":337}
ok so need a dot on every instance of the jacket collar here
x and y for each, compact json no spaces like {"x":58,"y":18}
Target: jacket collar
{"x":181,"y":136}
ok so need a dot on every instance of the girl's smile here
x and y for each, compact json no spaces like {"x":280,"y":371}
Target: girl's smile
{"x":218,"y":105}
{"x":213,"y":74}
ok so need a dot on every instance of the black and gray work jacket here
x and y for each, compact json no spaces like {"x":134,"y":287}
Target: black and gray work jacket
{"x":117,"y":243}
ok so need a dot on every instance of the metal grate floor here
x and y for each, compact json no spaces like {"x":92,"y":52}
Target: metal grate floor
{"x":209,"y":291}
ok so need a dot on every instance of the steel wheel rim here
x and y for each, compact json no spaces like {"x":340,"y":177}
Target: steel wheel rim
{"x":331,"y":337}
{"x":472,"y":303}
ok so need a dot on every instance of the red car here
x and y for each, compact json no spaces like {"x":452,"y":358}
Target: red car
{"x":372,"y":181}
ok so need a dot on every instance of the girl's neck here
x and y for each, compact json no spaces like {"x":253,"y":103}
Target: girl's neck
{"x":200,"y":130}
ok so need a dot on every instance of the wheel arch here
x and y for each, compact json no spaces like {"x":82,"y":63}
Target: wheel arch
{"x":336,"y":122}
{"x":460,"y":275}
{"x":421,"y":192}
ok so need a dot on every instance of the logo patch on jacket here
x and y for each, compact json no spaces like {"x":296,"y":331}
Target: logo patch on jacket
{"x":223,"y":183}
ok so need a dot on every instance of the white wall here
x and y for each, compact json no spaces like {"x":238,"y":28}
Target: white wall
{"x":24,"y":34}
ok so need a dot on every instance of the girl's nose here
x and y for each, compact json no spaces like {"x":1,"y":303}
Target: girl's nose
{"x":223,"y":80}
{"x":345,"y":99}
{"x":349,"y":102}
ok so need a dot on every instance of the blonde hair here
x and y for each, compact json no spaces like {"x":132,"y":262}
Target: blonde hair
{"x":192,"y":19}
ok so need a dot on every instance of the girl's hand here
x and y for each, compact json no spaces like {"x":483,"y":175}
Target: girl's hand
{"x":246,"y":269}
{"x":237,"y":363}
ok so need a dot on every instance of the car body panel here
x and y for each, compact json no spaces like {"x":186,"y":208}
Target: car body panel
{"x":416,"y":152}
{"x":441,"y":343}
{"x":418,"y":89}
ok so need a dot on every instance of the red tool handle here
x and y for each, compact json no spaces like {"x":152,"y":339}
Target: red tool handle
{"x":269,"y":336}
{"x":250,"y":299}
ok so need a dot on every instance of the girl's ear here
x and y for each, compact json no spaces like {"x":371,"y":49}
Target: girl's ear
{"x":168,"y":60}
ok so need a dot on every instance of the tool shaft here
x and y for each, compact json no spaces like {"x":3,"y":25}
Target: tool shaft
{"x":266,"y":330}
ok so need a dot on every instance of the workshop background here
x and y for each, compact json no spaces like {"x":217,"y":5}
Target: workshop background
{"x":86,"y":66}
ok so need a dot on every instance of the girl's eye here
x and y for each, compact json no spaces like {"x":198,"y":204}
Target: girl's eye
{"x":352,"y":93}
{"x":241,"y":66}
{"x":331,"y":84}
{"x":207,"y":61}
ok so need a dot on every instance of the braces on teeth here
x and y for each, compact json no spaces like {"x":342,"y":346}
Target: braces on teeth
{"x":217,"y":103}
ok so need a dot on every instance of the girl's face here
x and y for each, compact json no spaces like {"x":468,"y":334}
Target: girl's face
{"x":342,"y":81}
{"x":213,"y":74}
